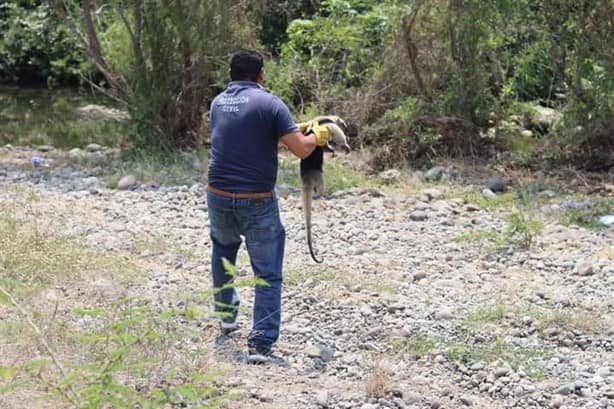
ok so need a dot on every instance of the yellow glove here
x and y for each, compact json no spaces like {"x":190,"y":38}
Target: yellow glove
{"x":303,"y":126}
{"x":322,"y":134}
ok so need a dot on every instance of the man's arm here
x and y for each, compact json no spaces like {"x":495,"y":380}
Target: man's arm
{"x":299,"y":144}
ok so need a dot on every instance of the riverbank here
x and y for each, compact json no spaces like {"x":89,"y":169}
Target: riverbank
{"x":425,"y":299}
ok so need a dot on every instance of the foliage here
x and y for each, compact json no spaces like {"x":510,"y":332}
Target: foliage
{"x":337,"y":48}
{"x":414,"y":79}
{"x":588,"y":217}
{"x":417,"y":346}
{"x":522,"y":228}
{"x":124,"y":362}
{"x":161,"y":59}
{"x":35,"y":47}
{"x":273,"y":16}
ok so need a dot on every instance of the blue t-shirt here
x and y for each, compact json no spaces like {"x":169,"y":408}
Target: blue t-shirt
{"x":246,"y":124}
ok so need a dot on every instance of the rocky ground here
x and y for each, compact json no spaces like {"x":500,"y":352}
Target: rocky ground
{"x":405,"y":311}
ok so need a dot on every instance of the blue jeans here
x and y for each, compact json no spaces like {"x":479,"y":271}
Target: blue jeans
{"x":258,"y":221}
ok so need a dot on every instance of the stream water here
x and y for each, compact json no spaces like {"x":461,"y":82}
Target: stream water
{"x":34,"y":116}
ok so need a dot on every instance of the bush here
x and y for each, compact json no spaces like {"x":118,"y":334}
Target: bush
{"x":36,"y":47}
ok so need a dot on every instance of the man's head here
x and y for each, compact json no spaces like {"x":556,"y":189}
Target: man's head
{"x":246,"y":65}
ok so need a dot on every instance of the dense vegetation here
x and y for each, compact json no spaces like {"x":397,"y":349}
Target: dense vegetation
{"x":415,"y":78}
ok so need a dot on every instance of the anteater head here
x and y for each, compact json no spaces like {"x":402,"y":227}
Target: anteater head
{"x":337,"y":136}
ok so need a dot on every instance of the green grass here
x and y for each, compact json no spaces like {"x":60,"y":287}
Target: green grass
{"x":336,"y":175}
{"x":31,"y":258}
{"x":164,"y":168}
{"x":502,"y":201}
{"x":588,"y":218}
{"x":499,"y":352}
{"x":486,"y":315}
{"x":417,"y":346}
{"x":521,"y":230}
{"x":112,"y":352}
{"x":543,"y":318}
{"x":124,"y":358}
{"x":339,"y":177}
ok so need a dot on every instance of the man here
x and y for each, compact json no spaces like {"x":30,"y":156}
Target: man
{"x":247,"y":123}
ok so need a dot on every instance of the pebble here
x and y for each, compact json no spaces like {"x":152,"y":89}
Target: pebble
{"x":564,"y":390}
{"x":495,"y":184}
{"x":584,"y":268}
{"x":434,"y":174}
{"x":126,"y":182}
{"x":418,"y":216}
{"x":488,"y":194}
{"x":322,"y":399}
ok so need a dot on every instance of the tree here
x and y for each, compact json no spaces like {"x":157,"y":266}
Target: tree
{"x":176,"y":53}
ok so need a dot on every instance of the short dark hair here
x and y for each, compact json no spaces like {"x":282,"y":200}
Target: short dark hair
{"x":245,"y":65}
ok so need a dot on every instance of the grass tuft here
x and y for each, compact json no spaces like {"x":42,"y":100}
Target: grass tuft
{"x":417,"y":346}
{"x":589,"y":217}
{"x":499,"y":352}
{"x":377,"y":382}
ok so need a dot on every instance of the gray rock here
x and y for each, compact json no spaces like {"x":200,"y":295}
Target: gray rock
{"x":93,"y":147}
{"x":584,"y":268}
{"x":418,"y":216}
{"x":322,"y":399}
{"x":91,"y":182}
{"x":526,"y":133}
{"x":444,"y":314}
{"x":543,"y":118}
{"x":496,"y":184}
{"x":434,"y":174}
{"x":45,"y":148}
{"x":95,"y":112}
{"x":500,"y":372}
{"x":390,"y":176}
{"x":433,"y":193}
{"x":76,"y":154}
{"x":470,"y":207}
{"x":196,"y":188}
{"x":320,"y":351}
{"x":127,"y":182}
{"x":607,"y":220}
{"x":419,"y":275}
{"x":556,"y":402}
{"x":488,"y":194}
{"x":603,"y":371}
{"x":564,"y":390}
{"x":576,"y":204}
